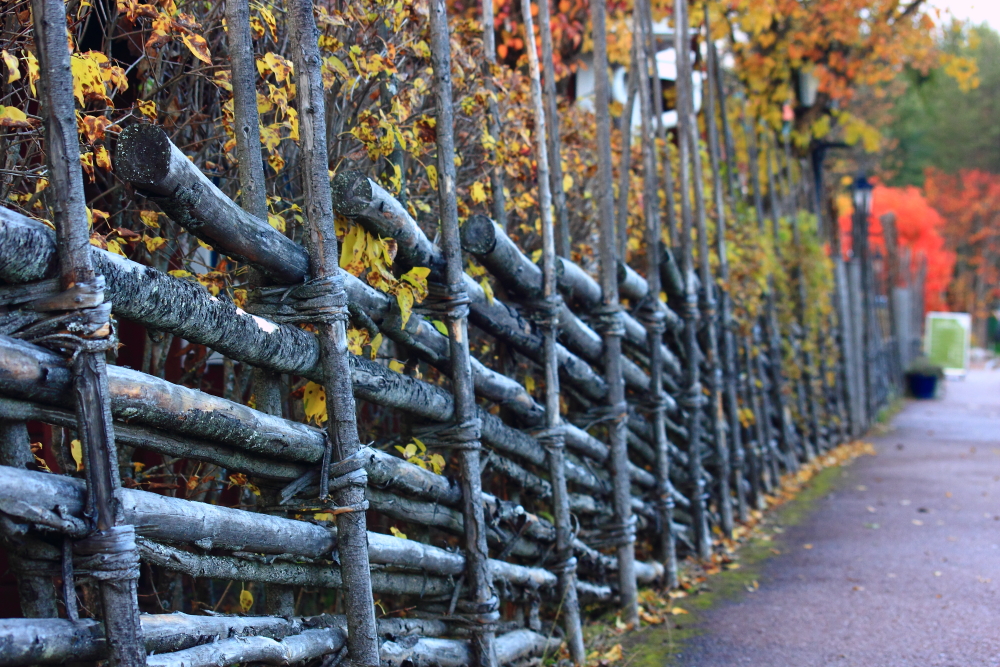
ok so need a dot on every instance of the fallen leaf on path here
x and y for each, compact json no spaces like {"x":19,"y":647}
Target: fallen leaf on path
{"x":807,"y":546}
{"x":917,"y":522}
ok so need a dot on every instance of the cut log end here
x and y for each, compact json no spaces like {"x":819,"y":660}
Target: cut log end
{"x":352,"y":193}
{"x":478,"y":235}
{"x":143,"y":155}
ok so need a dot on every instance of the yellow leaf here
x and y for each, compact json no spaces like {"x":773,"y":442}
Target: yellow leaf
{"x":437,"y":463}
{"x":276,"y":162}
{"x":353,"y":254}
{"x":276,"y":221}
{"x":115,"y":247}
{"x":397,"y":533}
{"x":375,"y":345}
{"x":397,"y":366}
{"x":150,"y":218}
{"x":314,"y":403}
{"x":76,"y":451}
{"x":567,"y":182}
{"x":356,"y":340}
{"x":246,"y":600}
{"x":614,"y":654}
{"x":13,"y":67}
{"x":432,"y":176}
{"x":676,"y":611}
{"x":147,"y":108}
{"x":33,"y":70}
{"x":12,"y":117}
{"x":417,"y":277}
{"x":102,"y":158}
{"x":180,"y":273}
{"x":338,"y":66}
{"x":529,"y":384}
{"x":439,"y":325}
{"x":198,"y":47}
{"x":477,"y":192}
{"x":153,"y":243}
{"x":268,"y":17}
{"x":323,"y":516}
{"x":404,"y":297}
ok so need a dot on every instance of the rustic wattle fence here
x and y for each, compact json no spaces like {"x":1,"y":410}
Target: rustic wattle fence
{"x":663,"y":420}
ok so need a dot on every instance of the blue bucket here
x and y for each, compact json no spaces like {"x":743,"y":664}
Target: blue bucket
{"x":922,"y":386}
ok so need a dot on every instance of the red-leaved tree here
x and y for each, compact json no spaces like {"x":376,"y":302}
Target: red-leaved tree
{"x":919,"y":228}
{"x":970,"y":205}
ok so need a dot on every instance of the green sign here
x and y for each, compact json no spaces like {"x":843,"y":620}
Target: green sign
{"x":947,"y":343}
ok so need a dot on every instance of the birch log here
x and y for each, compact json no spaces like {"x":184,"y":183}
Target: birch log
{"x":218,"y":221}
{"x":709,"y":324}
{"x":151,"y":298}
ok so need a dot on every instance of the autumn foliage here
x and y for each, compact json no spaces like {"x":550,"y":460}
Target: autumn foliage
{"x":969,"y":202}
{"x":920,"y":228}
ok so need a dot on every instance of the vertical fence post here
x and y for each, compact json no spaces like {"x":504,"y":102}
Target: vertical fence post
{"x":552,"y":132}
{"x":610,"y":324}
{"x":483,"y":607}
{"x":693,"y":399}
{"x":553,"y":437}
{"x":327,"y":282}
{"x":493,"y":114}
{"x":709,"y":326}
{"x":650,"y":310}
{"x":278,"y":599}
{"x":727,"y":340}
{"x":110,"y":551}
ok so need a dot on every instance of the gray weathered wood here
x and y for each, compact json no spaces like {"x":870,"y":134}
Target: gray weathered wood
{"x":119,"y":604}
{"x":551,"y":315}
{"x":612,"y":330}
{"x":483,"y":606}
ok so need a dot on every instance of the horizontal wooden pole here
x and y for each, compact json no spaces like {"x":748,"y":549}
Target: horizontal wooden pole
{"x":35,"y":641}
{"x":187,"y":310}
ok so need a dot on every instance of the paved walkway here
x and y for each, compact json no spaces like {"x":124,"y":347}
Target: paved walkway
{"x":904,"y":567}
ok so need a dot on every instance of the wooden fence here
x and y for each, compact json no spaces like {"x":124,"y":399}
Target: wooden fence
{"x":658,"y":421}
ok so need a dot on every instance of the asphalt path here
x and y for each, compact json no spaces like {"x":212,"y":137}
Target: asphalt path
{"x":898,"y":565}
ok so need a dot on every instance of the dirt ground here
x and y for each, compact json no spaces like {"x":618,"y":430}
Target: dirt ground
{"x":898,"y":565}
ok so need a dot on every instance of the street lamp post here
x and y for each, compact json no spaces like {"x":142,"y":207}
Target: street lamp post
{"x":862,"y":197}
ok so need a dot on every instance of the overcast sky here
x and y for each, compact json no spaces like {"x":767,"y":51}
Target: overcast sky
{"x":978,"y":11}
